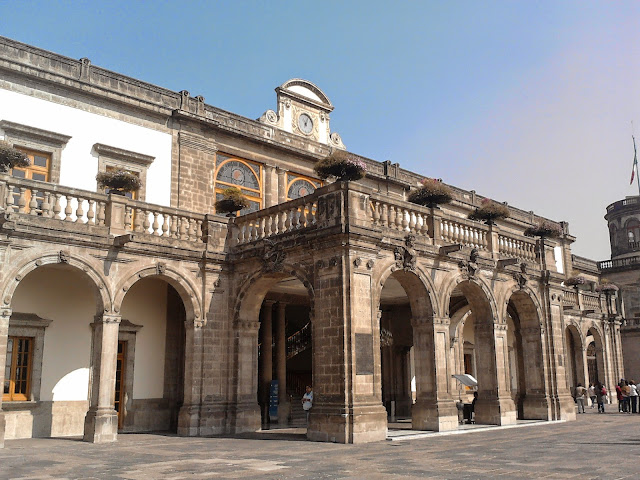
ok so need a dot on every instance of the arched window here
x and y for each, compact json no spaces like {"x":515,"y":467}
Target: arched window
{"x":613,"y":234}
{"x":633,"y":230}
{"x":299,"y":186}
{"x":242,"y":174}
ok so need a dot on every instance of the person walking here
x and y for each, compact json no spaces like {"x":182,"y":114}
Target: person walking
{"x":592,"y":395}
{"x":619,"y":396}
{"x":633,"y":396}
{"x":601,"y":392}
{"x":581,"y":395}
{"x":307,"y":401}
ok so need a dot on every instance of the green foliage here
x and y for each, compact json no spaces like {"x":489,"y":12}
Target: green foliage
{"x":489,"y":211}
{"x":432,"y":192}
{"x":232,"y":200}
{"x":544,"y":229}
{"x":119,"y":180}
{"x":341,"y":165}
{"x":10,"y":157}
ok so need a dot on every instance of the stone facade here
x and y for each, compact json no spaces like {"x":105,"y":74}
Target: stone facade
{"x":187,"y":316}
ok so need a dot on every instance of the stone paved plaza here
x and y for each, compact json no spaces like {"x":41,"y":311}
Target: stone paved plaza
{"x":595,"y":446}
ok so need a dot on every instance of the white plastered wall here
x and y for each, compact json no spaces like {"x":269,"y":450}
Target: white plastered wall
{"x":146,"y":305}
{"x":79,"y":165}
{"x":66,"y":298}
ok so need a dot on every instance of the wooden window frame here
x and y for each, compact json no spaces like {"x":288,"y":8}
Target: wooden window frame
{"x":294,"y":177}
{"x":31,"y":170}
{"x":31,"y":326}
{"x":12,"y":396}
{"x":39,"y":140}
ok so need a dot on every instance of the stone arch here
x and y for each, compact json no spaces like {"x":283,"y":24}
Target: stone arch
{"x":477,"y":292}
{"x":425,"y":304}
{"x":575,"y":345}
{"x":188,"y":293}
{"x":595,"y":331}
{"x":103,"y":295}
{"x":252,"y":291}
{"x":525,"y":294}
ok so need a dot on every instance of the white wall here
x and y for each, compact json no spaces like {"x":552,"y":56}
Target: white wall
{"x":79,"y":166}
{"x":146,"y":305}
{"x":64,"y":296}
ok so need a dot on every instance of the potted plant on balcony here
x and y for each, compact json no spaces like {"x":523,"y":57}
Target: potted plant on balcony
{"x":10,"y":157}
{"x":431,"y":193}
{"x":232,"y":200}
{"x":544,"y":229}
{"x":490,"y":211}
{"x":607,"y":287}
{"x":575,"y":281}
{"x":342,"y":165}
{"x":118,"y":182}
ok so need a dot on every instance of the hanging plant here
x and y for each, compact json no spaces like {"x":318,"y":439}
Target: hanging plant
{"x":607,"y":287}
{"x":544,"y":229}
{"x":118,"y":181}
{"x":575,"y":281}
{"x":431,"y":192}
{"x":490,"y":211}
{"x":232,"y":200}
{"x":341,"y":165}
{"x":10,"y":157}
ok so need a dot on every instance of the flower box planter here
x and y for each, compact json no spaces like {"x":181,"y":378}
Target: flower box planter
{"x":10,"y":158}
{"x":341,"y":165}
{"x":490,"y":211}
{"x":232,"y":200}
{"x":431,"y":193}
{"x":118,"y":182}
{"x":544,"y":230}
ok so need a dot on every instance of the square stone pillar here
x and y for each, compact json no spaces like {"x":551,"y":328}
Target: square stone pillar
{"x":246,"y":412}
{"x":282,"y":185}
{"x":495,"y":405}
{"x":189,"y":416}
{"x":101,"y":421}
{"x":347,"y":406}
{"x":537,"y":404}
{"x":435,"y":408}
{"x":266,"y":357}
{"x":5,"y":314}
{"x":284,"y":405}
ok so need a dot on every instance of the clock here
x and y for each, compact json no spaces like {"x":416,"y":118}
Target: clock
{"x":305,"y":123}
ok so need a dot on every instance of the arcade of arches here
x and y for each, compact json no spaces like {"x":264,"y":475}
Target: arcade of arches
{"x":98,"y":340}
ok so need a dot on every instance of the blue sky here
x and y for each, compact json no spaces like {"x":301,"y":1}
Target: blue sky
{"x":525,"y":102}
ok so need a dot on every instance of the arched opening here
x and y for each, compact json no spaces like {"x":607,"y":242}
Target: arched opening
{"x":284,"y":365}
{"x":480,"y":347}
{"x":595,"y":357}
{"x":151,"y":357}
{"x":574,"y":348}
{"x":525,"y":358}
{"x":49,"y":352}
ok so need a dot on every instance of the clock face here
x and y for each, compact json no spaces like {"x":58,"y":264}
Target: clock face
{"x":305,"y":123}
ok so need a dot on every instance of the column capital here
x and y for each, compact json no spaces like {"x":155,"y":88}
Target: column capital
{"x":269,"y":303}
{"x":107,"y":318}
{"x":281,"y":171}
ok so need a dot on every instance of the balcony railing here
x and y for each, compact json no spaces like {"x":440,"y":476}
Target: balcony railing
{"x":586,"y":301}
{"x":56,"y":202}
{"x":619,"y":263}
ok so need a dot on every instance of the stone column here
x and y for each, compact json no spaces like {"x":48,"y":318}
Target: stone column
{"x":266,"y":354}
{"x":284,"y":406}
{"x":189,"y":416}
{"x":585,"y":367}
{"x":270,"y":186}
{"x":246,"y":409}
{"x":282,"y":184}
{"x":4,"y":333}
{"x":495,"y":405}
{"x":101,"y":421}
{"x":537,"y":404}
{"x":435,"y":408}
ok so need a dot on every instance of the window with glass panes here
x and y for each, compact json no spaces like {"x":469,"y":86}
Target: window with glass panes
{"x":300,"y":185}
{"x":17,"y":372}
{"x":242,"y":174}
{"x":38,"y":170}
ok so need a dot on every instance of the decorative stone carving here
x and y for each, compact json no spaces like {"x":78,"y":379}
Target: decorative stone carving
{"x":357,"y":262}
{"x":370,"y":264}
{"x":161,"y":268}
{"x":64,"y":256}
{"x":406,"y":256}
{"x":471,"y":267}
{"x":333,"y":261}
{"x":521,"y":277}
{"x":272,"y":256}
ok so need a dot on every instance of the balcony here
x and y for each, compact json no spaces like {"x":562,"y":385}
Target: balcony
{"x":619,"y":264}
{"x":588,"y":302}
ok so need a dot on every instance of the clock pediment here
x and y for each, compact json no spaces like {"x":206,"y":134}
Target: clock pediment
{"x":303,"y":109}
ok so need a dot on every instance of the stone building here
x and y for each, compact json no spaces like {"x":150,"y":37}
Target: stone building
{"x":153,"y":313}
{"x":623,"y":218}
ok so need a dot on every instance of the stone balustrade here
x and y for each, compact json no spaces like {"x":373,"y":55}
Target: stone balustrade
{"x":287,"y":217}
{"x":588,"y":301}
{"x":512,"y":246}
{"x":115,"y":212}
{"x":404,"y":218}
{"x":465,"y":232}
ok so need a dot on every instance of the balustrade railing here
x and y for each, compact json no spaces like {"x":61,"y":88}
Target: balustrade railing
{"x":515,"y":247}
{"x":570,"y":298}
{"x":464,"y":232}
{"x":284,"y":218}
{"x":66,"y":204}
{"x":399,"y":217}
{"x":590,"y":301}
